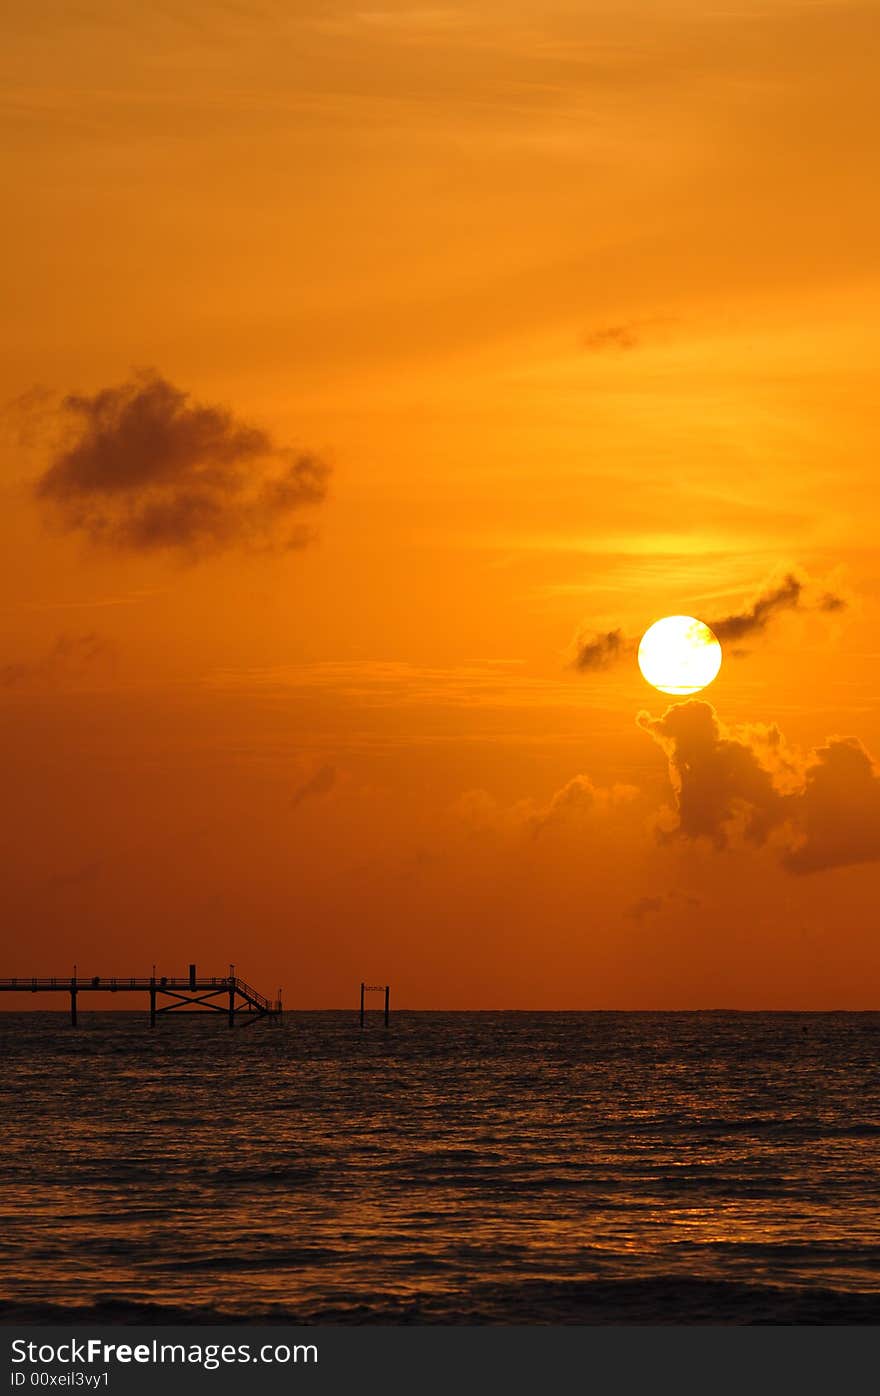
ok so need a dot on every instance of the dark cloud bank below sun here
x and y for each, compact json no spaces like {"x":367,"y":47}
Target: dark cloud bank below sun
{"x":142,"y":467}
{"x":820,"y":811}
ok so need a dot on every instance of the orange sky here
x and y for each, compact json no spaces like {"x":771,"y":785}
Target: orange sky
{"x":577,"y":309}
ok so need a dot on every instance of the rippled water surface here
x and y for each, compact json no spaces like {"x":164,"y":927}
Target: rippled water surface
{"x":473,"y":1167}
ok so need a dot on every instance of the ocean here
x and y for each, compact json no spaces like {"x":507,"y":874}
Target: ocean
{"x":503,"y":1168}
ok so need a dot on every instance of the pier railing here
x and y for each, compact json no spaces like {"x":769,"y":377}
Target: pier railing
{"x":120,"y":982}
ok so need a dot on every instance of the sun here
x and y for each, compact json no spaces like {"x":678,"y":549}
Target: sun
{"x":679,"y":655}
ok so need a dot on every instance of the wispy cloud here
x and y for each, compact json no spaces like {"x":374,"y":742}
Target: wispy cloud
{"x":596,"y":651}
{"x":574,"y":803}
{"x":793,"y":593}
{"x":377,"y":683}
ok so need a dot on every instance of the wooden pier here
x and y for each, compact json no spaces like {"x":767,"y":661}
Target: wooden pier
{"x":194,"y":994}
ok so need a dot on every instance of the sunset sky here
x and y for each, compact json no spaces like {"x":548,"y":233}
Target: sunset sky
{"x":365,"y":370}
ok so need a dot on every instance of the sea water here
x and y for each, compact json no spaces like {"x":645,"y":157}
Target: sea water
{"x":457,"y":1168}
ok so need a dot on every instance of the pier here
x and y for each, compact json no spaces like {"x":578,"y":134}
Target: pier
{"x":225,"y":994}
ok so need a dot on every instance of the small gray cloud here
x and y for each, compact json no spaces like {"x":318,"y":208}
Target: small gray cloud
{"x":144,"y":468}
{"x":646,"y":907}
{"x":612,"y":337}
{"x":622,"y":336}
{"x":572,"y":805}
{"x":321,"y":783}
{"x":829,"y":602}
{"x":71,"y":659}
{"x":602,"y":651}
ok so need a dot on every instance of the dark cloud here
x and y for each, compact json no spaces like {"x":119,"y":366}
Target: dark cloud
{"x":601,"y":651}
{"x":71,"y":658}
{"x":839,"y":809}
{"x":321,"y":783}
{"x":825,"y":810}
{"x":791,"y":594}
{"x":716,"y":777}
{"x":145,"y":468}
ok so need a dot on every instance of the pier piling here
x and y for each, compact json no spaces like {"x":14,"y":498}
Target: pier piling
{"x":377,"y":989}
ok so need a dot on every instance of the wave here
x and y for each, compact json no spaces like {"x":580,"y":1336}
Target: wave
{"x":660,"y":1300}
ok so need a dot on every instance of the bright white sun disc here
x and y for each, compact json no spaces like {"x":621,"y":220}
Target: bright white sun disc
{"x":679,"y":655}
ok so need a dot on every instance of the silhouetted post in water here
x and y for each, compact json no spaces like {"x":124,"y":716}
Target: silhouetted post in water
{"x":231,"y":994}
{"x":192,"y":976}
{"x":376,"y":989}
{"x":73,"y":999}
{"x":153,"y":998}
